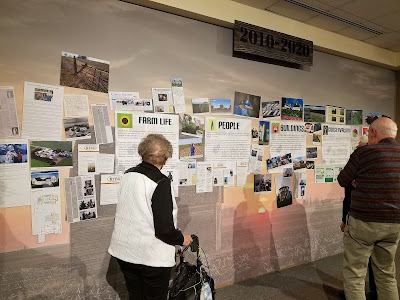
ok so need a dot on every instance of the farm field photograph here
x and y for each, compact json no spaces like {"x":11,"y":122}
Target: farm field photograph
{"x":314,"y":113}
{"x":200,"y":105}
{"x":49,"y":154}
{"x":354,"y":117}
{"x":292,"y":109}
{"x":190,"y":148}
{"x":83,"y":72}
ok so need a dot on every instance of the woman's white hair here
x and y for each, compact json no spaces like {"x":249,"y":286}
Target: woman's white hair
{"x":155,"y":149}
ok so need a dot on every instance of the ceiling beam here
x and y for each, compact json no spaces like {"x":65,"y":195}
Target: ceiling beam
{"x":225,"y":12}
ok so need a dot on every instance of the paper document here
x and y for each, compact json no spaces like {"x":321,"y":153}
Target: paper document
{"x":187,"y":172}
{"x":8,"y":113}
{"x":335,"y":144}
{"x":178,"y":96}
{"x":109,"y":188}
{"x":227,"y":139}
{"x":14,"y":173}
{"x":43,"y":111}
{"x":256,"y":159}
{"x":91,"y":161}
{"x":287,"y":137}
{"x":76,"y":106}
{"x":80,"y":196}
{"x":132,"y":127}
{"x":162,"y":100}
{"x":241,"y":172}
{"x":102,"y":127}
{"x":124,"y":100}
{"x":204,"y":177}
{"x":45,"y":202}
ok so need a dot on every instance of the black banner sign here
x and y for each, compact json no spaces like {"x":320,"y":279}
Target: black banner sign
{"x":251,"y":39}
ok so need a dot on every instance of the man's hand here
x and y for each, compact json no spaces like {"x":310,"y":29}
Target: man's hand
{"x":342,"y":226}
{"x":187,"y":240}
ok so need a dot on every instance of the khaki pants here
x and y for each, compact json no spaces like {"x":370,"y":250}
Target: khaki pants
{"x":362,"y":240}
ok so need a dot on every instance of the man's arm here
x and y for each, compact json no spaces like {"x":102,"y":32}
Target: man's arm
{"x":349,"y":172}
{"x":162,"y":214}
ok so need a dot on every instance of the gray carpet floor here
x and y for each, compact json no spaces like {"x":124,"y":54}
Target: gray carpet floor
{"x":317,"y":280}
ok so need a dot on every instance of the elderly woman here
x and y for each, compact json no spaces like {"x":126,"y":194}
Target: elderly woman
{"x":145,"y":230}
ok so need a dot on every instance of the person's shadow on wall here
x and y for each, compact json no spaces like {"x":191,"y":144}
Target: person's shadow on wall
{"x":253,"y":244}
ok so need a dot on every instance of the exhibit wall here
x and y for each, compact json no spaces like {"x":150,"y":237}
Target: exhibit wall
{"x":243,"y":234}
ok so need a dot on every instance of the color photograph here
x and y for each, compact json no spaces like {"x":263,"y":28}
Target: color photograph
{"x":192,"y":125}
{"x":317,"y":138}
{"x":270,"y":109}
{"x":278,"y":161}
{"x":287,"y":172}
{"x":200,"y":105}
{"x":354,"y":117}
{"x":221,"y":106}
{"x":292,"y":109}
{"x":84,"y":72}
{"x":314,"y":113}
{"x":246,"y":105}
{"x":371,"y":116}
{"x":53,"y":154}
{"x":176,"y":82}
{"x":43,"y":95}
{"x":283,"y":189}
{"x":299,"y":163}
{"x":263,"y":136}
{"x":309,"y":128}
{"x":275,"y":127}
{"x":191,"y":148}
{"x":13,"y":153}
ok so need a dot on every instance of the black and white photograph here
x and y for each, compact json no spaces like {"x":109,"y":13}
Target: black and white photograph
{"x":311,"y":153}
{"x":262,"y":183}
{"x":88,"y":189}
{"x":87,"y":204}
{"x":246,"y":105}
{"x":88,"y":214}
{"x":77,"y":129}
{"x":310,"y":165}
{"x":44,"y":179}
{"x":270,"y":109}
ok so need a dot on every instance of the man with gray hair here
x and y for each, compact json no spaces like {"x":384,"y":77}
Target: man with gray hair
{"x":373,"y":225}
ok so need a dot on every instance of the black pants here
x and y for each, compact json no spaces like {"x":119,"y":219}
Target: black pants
{"x":144,"y":282}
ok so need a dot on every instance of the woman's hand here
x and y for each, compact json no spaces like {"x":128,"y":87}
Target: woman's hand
{"x":187,"y":240}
